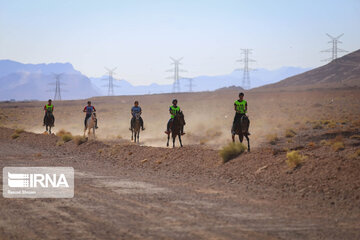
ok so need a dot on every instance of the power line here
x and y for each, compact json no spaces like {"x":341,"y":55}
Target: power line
{"x":110,"y":80}
{"x":334,"y":50}
{"x":190,"y":85}
{"x":176,"y":70}
{"x":246,"y":70}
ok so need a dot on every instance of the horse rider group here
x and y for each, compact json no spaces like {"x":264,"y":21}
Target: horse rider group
{"x":240,"y":107}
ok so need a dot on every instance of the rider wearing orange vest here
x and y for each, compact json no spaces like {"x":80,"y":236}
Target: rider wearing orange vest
{"x":49,"y":107}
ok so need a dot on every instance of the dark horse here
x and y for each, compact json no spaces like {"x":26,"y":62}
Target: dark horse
{"x":135,"y":128}
{"x":241,"y":128}
{"x":176,"y":126}
{"x":49,"y":121}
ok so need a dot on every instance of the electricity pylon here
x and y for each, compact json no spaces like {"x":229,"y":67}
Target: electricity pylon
{"x":246,"y":70}
{"x":190,"y":85}
{"x":334,"y":50}
{"x":57,"y":86}
{"x":176,"y":76}
{"x":110,"y":84}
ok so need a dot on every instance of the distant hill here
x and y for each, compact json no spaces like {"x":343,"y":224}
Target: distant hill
{"x":36,"y":81}
{"x":201,"y":83}
{"x":343,"y":72}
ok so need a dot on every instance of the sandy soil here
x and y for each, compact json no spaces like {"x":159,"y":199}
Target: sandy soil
{"x":129,"y":191}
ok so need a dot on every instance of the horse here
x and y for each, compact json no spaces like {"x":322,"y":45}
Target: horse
{"x":241,"y":128}
{"x":176,"y":126}
{"x":90,"y":124}
{"x":135,"y":128}
{"x":49,"y":121}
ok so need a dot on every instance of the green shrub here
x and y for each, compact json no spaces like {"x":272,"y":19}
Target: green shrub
{"x":232,"y":150}
{"x":294,"y":159}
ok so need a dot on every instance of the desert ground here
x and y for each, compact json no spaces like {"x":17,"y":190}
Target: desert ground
{"x":125,"y":190}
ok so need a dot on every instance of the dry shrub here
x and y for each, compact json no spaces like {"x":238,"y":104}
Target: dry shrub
{"x":62,"y":132}
{"x":15,"y":135}
{"x":289,"y":133}
{"x":355,"y":137}
{"x":272,"y":138}
{"x":312,"y":144}
{"x":317,"y":125}
{"x":338,"y":146}
{"x":332,"y":124}
{"x":67,"y":137}
{"x":294,"y":159}
{"x":232,"y":150}
{"x":79,"y":140}
{"x":60,"y":143}
{"x":19,"y":130}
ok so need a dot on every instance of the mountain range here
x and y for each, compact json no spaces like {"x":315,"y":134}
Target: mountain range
{"x":37,"y":81}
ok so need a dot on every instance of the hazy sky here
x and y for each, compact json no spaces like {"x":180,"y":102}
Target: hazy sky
{"x":139,"y":36}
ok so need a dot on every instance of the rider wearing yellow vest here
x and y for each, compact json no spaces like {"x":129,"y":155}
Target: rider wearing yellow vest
{"x":49,"y":107}
{"x":174,"y":109}
{"x":240,"y":107}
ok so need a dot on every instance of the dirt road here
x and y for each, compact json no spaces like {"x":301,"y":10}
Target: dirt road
{"x":123,"y":201}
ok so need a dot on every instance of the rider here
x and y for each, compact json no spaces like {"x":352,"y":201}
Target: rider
{"x":134,"y":110}
{"x":174,"y":109}
{"x":49,"y":107}
{"x":89,"y":109}
{"x":240,"y":107}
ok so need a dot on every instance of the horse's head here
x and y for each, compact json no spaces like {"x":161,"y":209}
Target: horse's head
{"x":93,"y":116}
{"x":180,"y":117}
{"x":137,"y":116}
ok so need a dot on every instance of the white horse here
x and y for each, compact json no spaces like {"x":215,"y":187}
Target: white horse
{"x":90,"y":124}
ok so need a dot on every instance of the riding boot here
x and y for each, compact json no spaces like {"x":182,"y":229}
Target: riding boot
{"x":142,"y":124}
{"x":96,"y":126}
{"x":131,"y":123}
{"x":168,"y":127}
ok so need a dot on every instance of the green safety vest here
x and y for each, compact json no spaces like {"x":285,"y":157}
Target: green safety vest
{"x":240,"y":106}
{"x":174,"y":111}
{"x":49,"y":107}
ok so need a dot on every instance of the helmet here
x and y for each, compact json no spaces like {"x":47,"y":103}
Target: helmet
{"x":89,"y":102}
{"x":174,"y":100}
{"x":49,"y":100}
{"x":136,"y":102}
{"x":241,"y":94}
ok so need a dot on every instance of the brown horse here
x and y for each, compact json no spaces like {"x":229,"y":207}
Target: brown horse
{"x":241,"y":128}
{"x":176,"y":126}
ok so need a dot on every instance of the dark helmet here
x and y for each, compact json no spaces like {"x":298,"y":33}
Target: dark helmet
{"x":136,"y":102}
{"x":241,"y":94}
{"x":89,"y":102}
{"x":174,"y":100}
{"x":49,"y":100}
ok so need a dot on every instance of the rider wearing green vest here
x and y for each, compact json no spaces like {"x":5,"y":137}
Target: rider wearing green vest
{"x":240,"y":107}
{"x":174,"y":109}
{"x":49,"y":107}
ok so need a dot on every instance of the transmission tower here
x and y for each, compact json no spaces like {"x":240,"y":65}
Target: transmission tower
{"x":57,"y":87}
{"x":334,"y":50}
{"x":246,"y":70}
{"x":110,"y":84}
{"x":176,"y":70}
{"x":190,"y":85}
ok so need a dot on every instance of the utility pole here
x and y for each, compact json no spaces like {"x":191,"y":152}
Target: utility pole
{"x":110,"y":85}
{"x":176,"y":70}
{"x":57,"y":87}
{"x":334,"y":50}
{"x":246,"y":70}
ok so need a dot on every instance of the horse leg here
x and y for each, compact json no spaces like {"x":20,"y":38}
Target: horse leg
{"x":50,"y":129}
{"x":180,"y":140}
{"x":248,"y":141}
{"x":241,"y":137}
{"x":173,"y":137}
{"x":138,"y":135}
{"x":233,"y":138}
{"x":132,"y":134}
{"x":167,"y":144}
{"x":94,"y":132}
